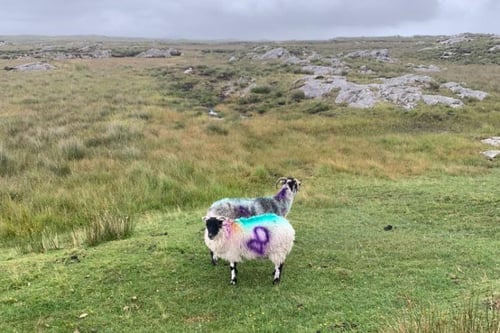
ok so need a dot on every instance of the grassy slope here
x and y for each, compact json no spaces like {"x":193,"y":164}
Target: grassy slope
{"x":344,"y":271}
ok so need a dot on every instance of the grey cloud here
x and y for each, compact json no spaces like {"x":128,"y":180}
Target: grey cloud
{"x":243,"y":19}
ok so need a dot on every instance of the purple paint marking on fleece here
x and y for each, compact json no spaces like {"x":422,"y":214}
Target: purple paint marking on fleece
{"x":281,"y":194}
{"x":260,"y":240}
{"x":243,"y":212}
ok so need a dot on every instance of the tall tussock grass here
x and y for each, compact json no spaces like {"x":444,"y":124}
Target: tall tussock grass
{"x":473,"y":316}
{"x":107,"y":227}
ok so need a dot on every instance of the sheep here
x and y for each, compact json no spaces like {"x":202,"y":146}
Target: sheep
{"x":262,"y":236}
{"x":279,"y":204}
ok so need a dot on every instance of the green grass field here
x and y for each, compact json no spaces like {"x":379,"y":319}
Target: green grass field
{"x":108,"y":165}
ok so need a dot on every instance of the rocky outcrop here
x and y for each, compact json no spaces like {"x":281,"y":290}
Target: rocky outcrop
{"x":495,"y":48}
{"x":455,"y":39}
{"x":322,"y":70}
{"x":493,"y":141}
{"x":438,"y":99}
{"x":91,"y":51}
{"x":31,"y":67}
{"x":464,"y":92}
{"x":159,"y":53}
{"x":380,"y":55}
{"x":405,"y":91}
{"x":424,"y":68}
{"x":490,"y":154}
{"x":277,"y":53}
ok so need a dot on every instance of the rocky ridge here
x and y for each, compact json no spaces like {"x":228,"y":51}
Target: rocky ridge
{"x":407,"y":91}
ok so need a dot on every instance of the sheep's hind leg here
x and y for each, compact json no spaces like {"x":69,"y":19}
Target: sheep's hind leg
{"x":232,"y":265}
{"x":277,"y":273}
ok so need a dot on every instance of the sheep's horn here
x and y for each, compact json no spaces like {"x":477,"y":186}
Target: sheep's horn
{"x":282,"y":180}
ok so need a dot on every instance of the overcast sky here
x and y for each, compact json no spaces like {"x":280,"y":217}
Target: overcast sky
{"x":249,"y":19}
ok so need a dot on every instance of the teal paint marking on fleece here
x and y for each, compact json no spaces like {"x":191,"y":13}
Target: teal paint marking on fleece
{"x":249,"y":222}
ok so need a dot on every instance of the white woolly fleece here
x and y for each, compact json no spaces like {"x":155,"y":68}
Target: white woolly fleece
{"x":263,"y":236}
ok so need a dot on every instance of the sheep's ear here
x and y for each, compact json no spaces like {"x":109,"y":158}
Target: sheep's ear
{"x":222,"y":218}
{"x":204,"y":218}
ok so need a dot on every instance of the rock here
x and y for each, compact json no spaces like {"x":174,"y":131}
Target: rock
{"x":447,"y":55}
{"x":159,"y":53}
{"x":357,"y":95}
{"x":408,"y":80}
{"x":213,"y":113}
{"x":437,"y":99}
{"x":455,"y":39}
{"x":380,"y":55}
{"x":405,"y":91}
{"x":494,"y":141}
{"x":313,"y":88}
{"x":100,"y":54}
{"x":405,"y":96}
{"x":464,"y":92}
{"x":494,"y":48}
{"x":491,"y":154}
{"x":365,"y":70}
{"x":430,"y":68}
{"x":277,"y":53}
{"x":31,"y":67}
{"x":319,"y":70}
{"x":293,"y":60}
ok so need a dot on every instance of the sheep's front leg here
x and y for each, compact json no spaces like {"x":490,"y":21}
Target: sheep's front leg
{"x":277,"y":273}
{"x":232,"y":265}
{"x":213,"y":257}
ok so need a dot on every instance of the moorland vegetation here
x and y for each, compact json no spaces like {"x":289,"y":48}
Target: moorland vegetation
{"x":107,"y":165}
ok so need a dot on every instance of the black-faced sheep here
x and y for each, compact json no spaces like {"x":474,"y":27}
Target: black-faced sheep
{"x":279,"y":204}
{"x":263,"y":236}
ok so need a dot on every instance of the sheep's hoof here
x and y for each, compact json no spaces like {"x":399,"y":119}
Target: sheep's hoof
{"x":276,"y":281}
{"x":214,"y":261}
{"x":233,"y":282}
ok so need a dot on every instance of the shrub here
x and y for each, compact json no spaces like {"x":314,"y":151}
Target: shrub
{"x":261,"y":90}
{"x":250,"y":99}
{"x":217,"y":129}
{"x":318,"y":107}
{"x":297,"y":95}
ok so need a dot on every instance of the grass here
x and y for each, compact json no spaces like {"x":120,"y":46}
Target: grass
{"x":473,"y":316}
{"x":106,"y":167}
{"x":345,"y":270}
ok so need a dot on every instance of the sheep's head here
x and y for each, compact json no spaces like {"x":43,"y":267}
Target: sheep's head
{"x":213,"y":224}
{"x":292,"y":183}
